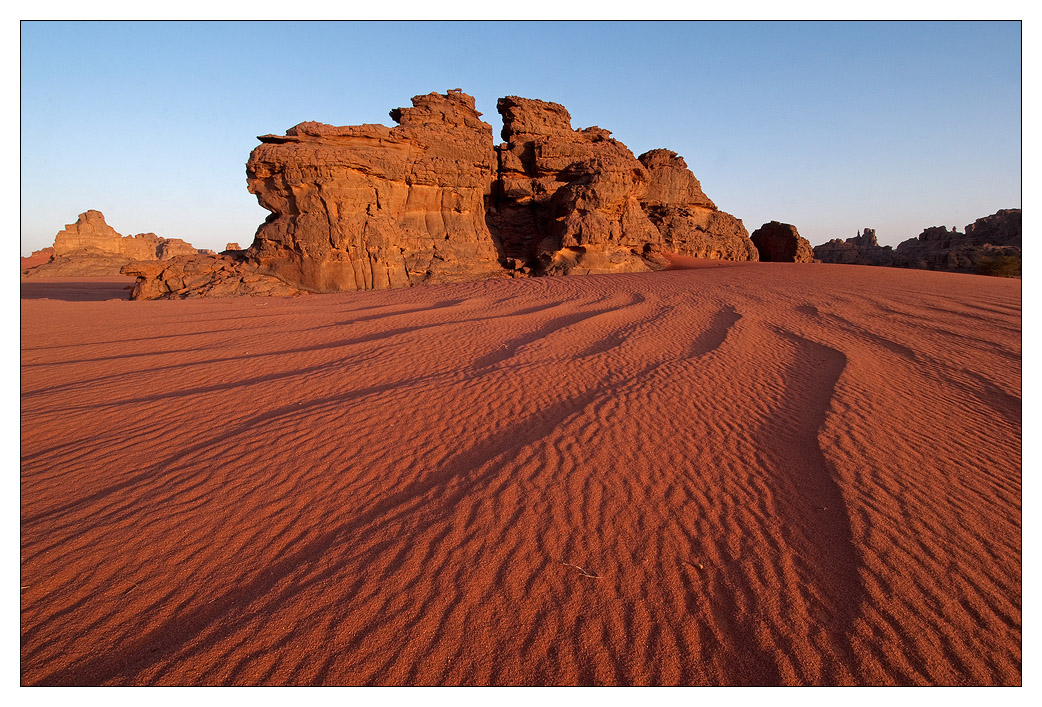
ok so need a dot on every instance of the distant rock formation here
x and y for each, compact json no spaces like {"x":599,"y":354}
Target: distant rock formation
{"x":862,"y":249}
{"x":990,"y":246}
{"x":781,"y":243}
{"x":92,"y":248}
{"x":987,"y":242}
{"x":37,"y":257}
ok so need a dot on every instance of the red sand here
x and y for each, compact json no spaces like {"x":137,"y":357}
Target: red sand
{"x":757,"y":474}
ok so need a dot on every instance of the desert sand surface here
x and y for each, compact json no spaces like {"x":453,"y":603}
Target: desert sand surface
{"x":777,"y":474}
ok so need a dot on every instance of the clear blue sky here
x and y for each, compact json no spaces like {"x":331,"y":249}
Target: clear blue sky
{"x":829,"y":126}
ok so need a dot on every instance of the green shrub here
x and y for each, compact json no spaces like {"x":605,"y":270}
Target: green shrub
{"x":999,"y":266}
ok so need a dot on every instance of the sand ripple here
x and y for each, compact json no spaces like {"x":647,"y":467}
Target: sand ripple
{"x":766,"y":474}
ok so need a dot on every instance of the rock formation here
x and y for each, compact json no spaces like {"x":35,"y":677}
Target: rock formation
{"x":781,"y":243}
{"x":432,"y":200}
{"x":862,"y":249}
{"x":689,"y":222}
{"x":371,"y":207}
{"x":183,"y":277}
{"x":92,"y":248}
{"x":568,"y":201}
{"x":987,"y":241}
{"x":37,"y":257}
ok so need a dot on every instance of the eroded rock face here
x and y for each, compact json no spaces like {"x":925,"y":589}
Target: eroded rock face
{"x":987,"y":239}
{"x":182,"y":277}
{"x":781,"y":243}
{"x":689,"y":222}
{"x":862,"y":249}
{"x":431,"y":200}
{"x":568,"y":201}
{"x":372,"y":207}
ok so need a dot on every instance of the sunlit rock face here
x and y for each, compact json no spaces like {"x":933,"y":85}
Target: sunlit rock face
{"x":371,"y":207}
{"x":689,"y":222}
{"x":432,"y":200}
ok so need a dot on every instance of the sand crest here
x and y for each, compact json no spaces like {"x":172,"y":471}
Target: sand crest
{"x":754,"y":474}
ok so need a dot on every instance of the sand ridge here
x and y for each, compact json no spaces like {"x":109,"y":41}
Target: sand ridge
{"x":754,"y":474}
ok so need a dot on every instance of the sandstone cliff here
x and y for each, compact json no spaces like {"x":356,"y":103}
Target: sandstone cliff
{"x":689,"y":222}
{"x":432,"y":200}
{"x":371,"y":207}
{"x":781,"y":243}
{"x":568,"y":201}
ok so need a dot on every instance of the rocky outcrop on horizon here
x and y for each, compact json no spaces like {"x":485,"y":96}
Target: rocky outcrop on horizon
{"x":92,"y":248}
{"x":435,"y":200}
{"x":987,"y":242}
{"x":862,"y":249}
{"x":781,"y":243}
{"x":990,"y":246}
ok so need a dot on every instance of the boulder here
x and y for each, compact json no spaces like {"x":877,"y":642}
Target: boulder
{"x":781,"y":243}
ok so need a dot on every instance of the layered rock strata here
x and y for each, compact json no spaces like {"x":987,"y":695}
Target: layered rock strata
{"x":371,"y":207}
{"x":568,"y":201}
{"x":182,"y":277}
{"x":432,"y":200}
{"x":781,"y":243}
{"x":688,"y":220}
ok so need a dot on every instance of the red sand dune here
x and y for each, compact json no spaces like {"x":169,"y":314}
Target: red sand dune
{"x":755,"y":474}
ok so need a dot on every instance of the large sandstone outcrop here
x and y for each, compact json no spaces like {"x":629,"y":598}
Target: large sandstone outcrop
{"x":92,"y":248}
{"x":862,"y":249}
{"x":568,"y":201}
{"x":781,"y":243}
{"x":371,"y":207}
{"x":987,"y":241}
{"x":432,"y":200}
{"x":688,"y":220}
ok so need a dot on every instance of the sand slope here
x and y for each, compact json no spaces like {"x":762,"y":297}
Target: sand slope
{"x":753,"y":474}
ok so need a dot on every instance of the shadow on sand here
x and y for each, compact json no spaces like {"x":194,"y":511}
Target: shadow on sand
{"x":77,"y":290}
